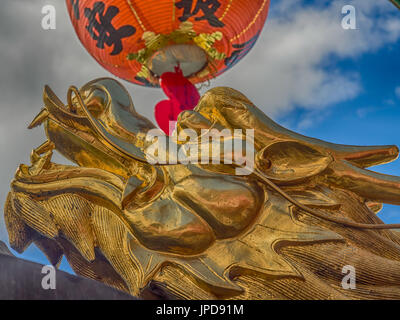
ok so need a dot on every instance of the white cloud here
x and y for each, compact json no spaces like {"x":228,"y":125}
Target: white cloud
{"x":291,"y":65}
{"x":397,"y":92}
{"x":310,"y":119}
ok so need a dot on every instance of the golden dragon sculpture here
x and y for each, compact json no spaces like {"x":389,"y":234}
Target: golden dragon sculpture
{"x":285,"y":230}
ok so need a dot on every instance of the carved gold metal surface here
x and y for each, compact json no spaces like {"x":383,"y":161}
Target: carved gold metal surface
{"x":198,"y":231}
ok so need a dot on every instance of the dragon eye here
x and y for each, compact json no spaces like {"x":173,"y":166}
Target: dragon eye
{"x":95,"y":100}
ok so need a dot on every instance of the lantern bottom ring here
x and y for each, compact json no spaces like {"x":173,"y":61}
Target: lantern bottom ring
{"x":190,"y":58}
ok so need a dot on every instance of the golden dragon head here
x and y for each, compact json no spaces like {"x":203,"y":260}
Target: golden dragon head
{"x":197,"y":229}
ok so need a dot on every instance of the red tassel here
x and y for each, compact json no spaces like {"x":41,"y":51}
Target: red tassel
{"x":182,"y":94}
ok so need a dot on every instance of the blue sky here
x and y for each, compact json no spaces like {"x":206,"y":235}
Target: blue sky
{"x":372,"y":118}
{"x":306,"y":72}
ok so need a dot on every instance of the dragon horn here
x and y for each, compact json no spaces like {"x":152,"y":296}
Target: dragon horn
{"x":361,"y":156}
{"x":368,"y":156}
{"x":38,"y":120}
{"x":368,"y":184}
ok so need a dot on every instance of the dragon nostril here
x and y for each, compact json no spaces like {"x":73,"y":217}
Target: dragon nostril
{"x":95,"y":107}
{"x":72,"y":108}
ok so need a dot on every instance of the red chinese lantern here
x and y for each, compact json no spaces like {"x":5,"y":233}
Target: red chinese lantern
{"x":140,"y":40}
